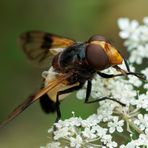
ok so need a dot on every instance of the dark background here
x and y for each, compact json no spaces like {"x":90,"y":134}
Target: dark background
{"x":18,"y":78}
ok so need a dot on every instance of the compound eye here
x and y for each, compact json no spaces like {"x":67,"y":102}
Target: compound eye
{"x":98,"y":38}
{"x":97,"y":57}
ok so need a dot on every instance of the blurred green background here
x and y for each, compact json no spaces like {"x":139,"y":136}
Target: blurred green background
{"x":18,"y":78}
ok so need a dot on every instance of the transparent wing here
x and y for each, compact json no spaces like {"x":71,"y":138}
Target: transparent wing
{"x":40,"y":46}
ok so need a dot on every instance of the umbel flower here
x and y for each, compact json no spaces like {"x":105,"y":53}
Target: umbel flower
{"x":113,"y":125}
{"x":136,"y":36}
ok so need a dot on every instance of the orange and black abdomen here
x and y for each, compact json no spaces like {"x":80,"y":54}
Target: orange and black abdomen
{"x":47,"y":104}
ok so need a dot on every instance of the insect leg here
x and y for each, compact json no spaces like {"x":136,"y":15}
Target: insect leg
{"x":123,"y":72}
{"x":104,"y":98}
{"x":65,"y":92}
{"x":88,"y":91}
{"x":127,"y":65}
{"x":104,"y":75}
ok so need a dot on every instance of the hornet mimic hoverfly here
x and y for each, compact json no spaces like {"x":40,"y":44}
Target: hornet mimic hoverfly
{"x":72,"y":64}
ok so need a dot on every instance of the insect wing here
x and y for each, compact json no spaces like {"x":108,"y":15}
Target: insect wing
{"x":40,"y":46}
{"x":19,"y":109}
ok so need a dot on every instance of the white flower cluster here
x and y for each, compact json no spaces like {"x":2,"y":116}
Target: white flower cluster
{"x":145,"y":72}
{"x":142,"y":141}
{"x":76,"y":132}
{"x":136,"y":38}
{"x":119,"y":88}
{"x":113,"y":125}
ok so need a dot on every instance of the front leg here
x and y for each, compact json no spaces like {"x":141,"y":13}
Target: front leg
{"x":104,"y":75}
{"x":69,"y":90}
{"x":123,"y":72}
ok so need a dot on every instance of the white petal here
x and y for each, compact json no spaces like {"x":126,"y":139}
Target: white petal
{"x":81,"y":94}
{"x":111,"y":129}
{"x":145,"y":20}
{"x":123,"y":23}
{"x":124,"y":34}
{"x":119,"y":129}
{"x":134,"y":24}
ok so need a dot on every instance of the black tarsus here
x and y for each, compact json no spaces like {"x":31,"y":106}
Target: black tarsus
{"x":123,"y":73}
{"x":104,"y":75}
{"x":105,"y":98}
{"x":139,"y":75}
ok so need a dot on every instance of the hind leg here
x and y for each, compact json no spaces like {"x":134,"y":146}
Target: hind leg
{"x":69,"y":90}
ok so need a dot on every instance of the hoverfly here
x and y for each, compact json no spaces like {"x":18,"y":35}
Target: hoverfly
{"x":72,"y":64}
